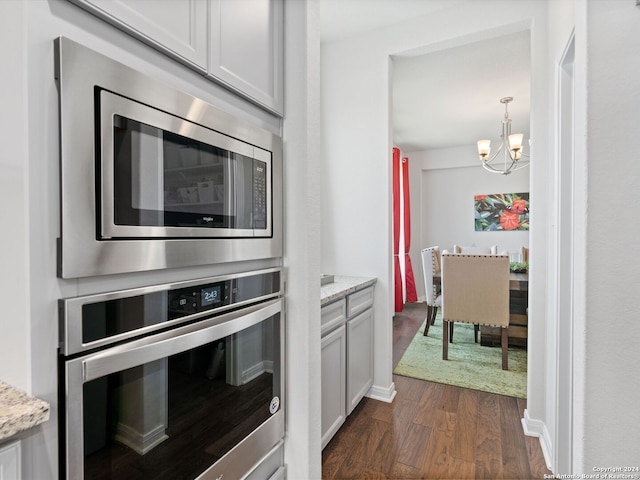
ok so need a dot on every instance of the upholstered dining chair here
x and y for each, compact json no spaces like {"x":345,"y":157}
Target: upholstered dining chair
{"x":475,"y":289}
{"x":470,"y":250}
{"x":431,"y":266}
{"x":524,"y":254}
{"x":492,"y":250}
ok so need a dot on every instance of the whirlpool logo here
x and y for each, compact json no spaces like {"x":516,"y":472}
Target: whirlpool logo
{"x":274,"y":405}
{"x":207,"y":219}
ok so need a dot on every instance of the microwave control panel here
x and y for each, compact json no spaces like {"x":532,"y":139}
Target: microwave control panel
{"x":259,"y":195}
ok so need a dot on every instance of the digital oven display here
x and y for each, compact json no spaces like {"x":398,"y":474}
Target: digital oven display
{"x":210,"y":296}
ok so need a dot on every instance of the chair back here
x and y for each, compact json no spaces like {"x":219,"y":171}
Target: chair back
{"x":492,"y":250}
{"x":475,"y":289}
{"x":430,"y":265}
{"x":524,"y":254}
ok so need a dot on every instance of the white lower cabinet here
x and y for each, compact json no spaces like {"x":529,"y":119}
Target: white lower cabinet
{"x":347,"y":357}
{"x":10,"y":461}
{"x":334,"y":361}
{"x":359,"y":358}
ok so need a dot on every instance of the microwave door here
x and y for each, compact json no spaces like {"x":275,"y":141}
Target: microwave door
{"x":156,"y":182}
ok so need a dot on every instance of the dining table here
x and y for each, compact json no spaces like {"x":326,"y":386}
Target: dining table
{"x":518,"y":317}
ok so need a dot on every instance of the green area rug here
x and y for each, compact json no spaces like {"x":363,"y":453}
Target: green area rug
{"x":470,"y":365}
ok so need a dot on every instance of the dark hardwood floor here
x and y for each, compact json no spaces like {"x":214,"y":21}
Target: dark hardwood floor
{"x":433,"y":431}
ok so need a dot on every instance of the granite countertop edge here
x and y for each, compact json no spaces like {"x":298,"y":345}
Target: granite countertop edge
{"x":19,"y":411}
{"x":343,"y":286}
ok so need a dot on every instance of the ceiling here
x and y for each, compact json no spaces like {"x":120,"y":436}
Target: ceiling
{"x":346,"y":18}
{"x":448,"y":97}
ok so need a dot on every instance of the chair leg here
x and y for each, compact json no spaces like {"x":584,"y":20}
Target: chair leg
{"x":505,"y":348}
{"x":428,"y":322}
{"x":476,"y":329}
{"x":450,"y":332}
{"x":434,"y":312}
{"x":445,"y":340}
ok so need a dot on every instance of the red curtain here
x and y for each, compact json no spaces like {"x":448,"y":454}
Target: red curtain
{"x":399,"y":303}
{"x":410,"y":282}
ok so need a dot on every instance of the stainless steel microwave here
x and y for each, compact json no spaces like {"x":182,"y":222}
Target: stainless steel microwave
{"x":152,"y":177}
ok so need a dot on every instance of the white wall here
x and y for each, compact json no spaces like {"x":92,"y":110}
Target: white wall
{"x":356,"y":154}
{"x":302,"y":238}
{"x":443,"y":185}
{"x":356,"y":168}
{"x":555,"y":430}
{"x":14,"y":174}
{"x":611,"y":328}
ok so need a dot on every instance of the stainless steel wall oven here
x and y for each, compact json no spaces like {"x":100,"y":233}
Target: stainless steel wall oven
{"x":181,"y":380}
{"x":152,"y":177}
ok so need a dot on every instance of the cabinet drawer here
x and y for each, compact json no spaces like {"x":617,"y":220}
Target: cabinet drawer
{"x":359,"y":301}
{"x":332,"y":315}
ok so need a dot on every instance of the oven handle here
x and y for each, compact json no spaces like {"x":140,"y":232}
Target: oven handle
{"x":155,"y":347}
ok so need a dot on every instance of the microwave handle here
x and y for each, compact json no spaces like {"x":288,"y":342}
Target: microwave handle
{"x":155,"y":347}
{"x":229,"y":182}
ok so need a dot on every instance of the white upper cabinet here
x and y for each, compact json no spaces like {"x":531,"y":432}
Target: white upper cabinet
{"x":247,"y":47}
{"x":177,"y":26}
{"x":237,"y":43}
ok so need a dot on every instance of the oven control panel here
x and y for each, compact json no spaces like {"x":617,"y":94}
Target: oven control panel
{"x":93,"y":321}
{"x":187,"y":301}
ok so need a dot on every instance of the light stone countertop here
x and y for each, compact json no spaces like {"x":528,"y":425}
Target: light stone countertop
{"x":19,"y":412}
{"x":343,"y":286}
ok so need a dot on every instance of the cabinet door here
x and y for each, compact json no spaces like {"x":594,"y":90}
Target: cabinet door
{"x":247,"y":49}
{"x":10,"y":461}
{"x":359,"y":357}
{"x":334,"y":350}
{"x":175,"y":27}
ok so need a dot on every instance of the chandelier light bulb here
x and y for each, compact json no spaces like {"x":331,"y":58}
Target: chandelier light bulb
{"x":515,"y":145}
{"x":484,"y":148}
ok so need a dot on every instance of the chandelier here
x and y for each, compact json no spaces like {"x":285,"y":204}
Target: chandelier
{"x":512,"y":158}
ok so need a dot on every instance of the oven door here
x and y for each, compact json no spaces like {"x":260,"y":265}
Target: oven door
{"x":164,"y":177}
{"x":200,"y":401}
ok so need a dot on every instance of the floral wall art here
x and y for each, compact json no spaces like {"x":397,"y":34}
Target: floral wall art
{"x":501,"y":211}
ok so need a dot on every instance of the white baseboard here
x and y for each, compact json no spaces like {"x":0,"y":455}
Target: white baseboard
{"x":253,"y":372}
{"x":140,"y":442}
{"x":537,"y":428}
{"x":384,"y":394}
